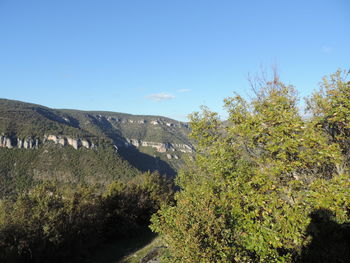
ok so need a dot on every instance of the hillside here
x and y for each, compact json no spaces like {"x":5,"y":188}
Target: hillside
{"x":90,"y":146}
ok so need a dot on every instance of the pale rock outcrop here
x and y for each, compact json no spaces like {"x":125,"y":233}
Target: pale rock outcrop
{"x":176,"y":157}
{"x":154,"y":122}
{"x":53,"y":138}
{"x":135,"y":142}
{"x":28,"y":143}
{"x":183,"y":148}
{"x":160,"y":147}
{"x":76,"y":143}
{"x":62,"y":141}
{"x":168,"y":156}
{"x":85,"y":143}
{"x":19,"y":143}
{"x":5,"y":142}
{"x":8,"y":143}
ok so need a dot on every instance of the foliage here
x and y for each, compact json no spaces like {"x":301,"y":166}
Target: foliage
{"x":331,"y":109}
{"x":49,"y":223}
{"x":256,"y":179}
{"x":20,"y":169}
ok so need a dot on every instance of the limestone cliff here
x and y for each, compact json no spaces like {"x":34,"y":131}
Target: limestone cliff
{"x":31,"y":143}
{"x":161,"y":147}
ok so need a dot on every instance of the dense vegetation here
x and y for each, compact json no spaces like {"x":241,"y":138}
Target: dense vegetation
{"x":21,"y":169}
{"x":268,"y":184}
{"x":49,"y":223}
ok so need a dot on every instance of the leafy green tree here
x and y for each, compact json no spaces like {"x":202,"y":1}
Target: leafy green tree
{"x":256,"y":178}
{"x":330,"y":108}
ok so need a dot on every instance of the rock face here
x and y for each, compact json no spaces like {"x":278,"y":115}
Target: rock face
{"x":160,"y":147}
{"x":53,"y":138}
{"x":86,"y":144}
{"x":75,"y":143}
{"x":155,"y":122}
{"x":134,"y":142}
{"x":5,"y":142}
{"x":62,"y":141}
{"x":183,"y":148}
{"x":30,"y":143}
{"x":27,"y":143}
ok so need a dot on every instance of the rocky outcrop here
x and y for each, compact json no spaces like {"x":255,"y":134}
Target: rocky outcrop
{"x":26,"y":143}
{"x":134,"y":142}
{"x":53,"y":138}
{"x":30,"y":143}
{"x":183,"y":148}
{"x":63,"y":141}
{"x":154,"y":122}
{"x":86,"y":144}
{"x":75,"y":143}
{"x":160,"y":147}
{"x":5,"y":142}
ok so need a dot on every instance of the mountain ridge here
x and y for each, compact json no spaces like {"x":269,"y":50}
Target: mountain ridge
{"x":147,"y":142}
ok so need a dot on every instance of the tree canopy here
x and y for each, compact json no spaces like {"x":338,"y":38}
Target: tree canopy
{"x":259,"y":176}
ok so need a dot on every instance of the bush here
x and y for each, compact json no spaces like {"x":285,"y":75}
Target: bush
{"x":51,"y":223}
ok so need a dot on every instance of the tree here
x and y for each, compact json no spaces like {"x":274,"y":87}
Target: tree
{"x":256,"y":178}
{"x":330,"y":108}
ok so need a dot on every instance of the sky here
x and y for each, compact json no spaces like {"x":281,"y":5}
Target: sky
{"x":164,"y":57}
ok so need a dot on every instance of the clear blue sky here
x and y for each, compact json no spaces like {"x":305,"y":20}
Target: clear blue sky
{"x":164,"y":57}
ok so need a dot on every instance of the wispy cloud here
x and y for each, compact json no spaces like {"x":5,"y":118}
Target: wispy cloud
{"x":326,"y":49}
{"x":160,"y":96}
{"x":67,"y":76}
{"x":184,"y":90}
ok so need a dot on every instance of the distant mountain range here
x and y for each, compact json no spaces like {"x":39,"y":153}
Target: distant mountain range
{"x":63,"y":144}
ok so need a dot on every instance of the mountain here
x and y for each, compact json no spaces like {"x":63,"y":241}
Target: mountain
{"x":38,"y":143}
